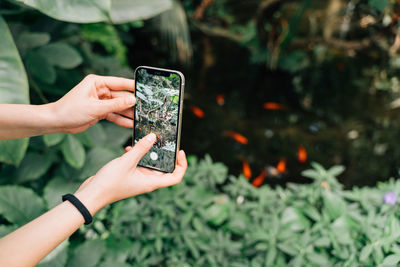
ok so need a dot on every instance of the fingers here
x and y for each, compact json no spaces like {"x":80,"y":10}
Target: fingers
{"x":116,"y":104}
{"x":114,"y":83}
{"x":115,"y":94}
{"x":139,"y":150}
{"x":127,"y":113}
{"x":175,"y":177}
{"x":120,"y":120}
{"x":128,"y":148}
{"x":180,"y":168}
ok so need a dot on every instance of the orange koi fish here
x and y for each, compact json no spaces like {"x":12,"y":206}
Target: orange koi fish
{"x":198,"y":112}
{"x":274,"y":106}
{"x":237,"y":137}
{"x":246,"y":170}
{"x":220,"y":99}
{"x":258,"y":181}
{"x":302,"y":154}
{"x":281,"y":167}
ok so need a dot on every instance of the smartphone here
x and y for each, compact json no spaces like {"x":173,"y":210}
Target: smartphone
{"x":158,"y":109}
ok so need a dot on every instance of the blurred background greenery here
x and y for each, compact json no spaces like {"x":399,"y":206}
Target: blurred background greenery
{"x":271,"y":86}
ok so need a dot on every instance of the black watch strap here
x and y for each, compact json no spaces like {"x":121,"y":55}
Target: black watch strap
{"x":78,"y":204}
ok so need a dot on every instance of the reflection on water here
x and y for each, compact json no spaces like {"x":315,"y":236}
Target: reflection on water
{"x":270,"y":125}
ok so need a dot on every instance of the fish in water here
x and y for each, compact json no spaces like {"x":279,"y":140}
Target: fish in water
{"x":281,"y":167}
{"x":246,"y":170}
{"x":274,"y":106}
{"x":237,"y":137}
{"x":198,"y":112}
{"x":259,"y":180}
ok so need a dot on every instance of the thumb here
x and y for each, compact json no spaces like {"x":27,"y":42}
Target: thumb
{"x":140,"y":149}
{"x":117,"y":104}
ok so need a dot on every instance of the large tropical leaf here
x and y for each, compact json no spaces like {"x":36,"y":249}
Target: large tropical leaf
{"x":123,"y":11}
{"x":73,"y":151}
{"x":19,"y":205}
{"x":79,"y":11}
{"x":13,"y":90}
{"x":57,"y":187}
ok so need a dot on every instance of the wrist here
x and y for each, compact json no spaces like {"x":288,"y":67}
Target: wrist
{"x":91,"y":198}
{"x":52,"y":118}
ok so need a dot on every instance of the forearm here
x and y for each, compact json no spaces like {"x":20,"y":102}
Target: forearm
{"x":17,"y":120}
{"x":31,"y":243}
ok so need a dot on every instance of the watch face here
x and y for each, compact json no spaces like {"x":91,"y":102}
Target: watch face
{"x":157,"y":111}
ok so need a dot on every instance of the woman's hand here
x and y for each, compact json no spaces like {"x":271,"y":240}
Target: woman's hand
{"x":121,"y":178}
{"x":118,"y":179}
{"x":93,"y":99}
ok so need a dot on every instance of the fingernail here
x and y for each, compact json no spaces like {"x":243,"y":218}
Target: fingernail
{"x":131,"y":100}
{"x":151,"y":137}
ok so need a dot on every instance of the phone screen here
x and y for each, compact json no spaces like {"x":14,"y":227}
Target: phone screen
{"x":157,"y":108}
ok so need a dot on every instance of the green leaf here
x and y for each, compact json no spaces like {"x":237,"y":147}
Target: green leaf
{"x":61,"y":55}
{"x":312,"y":174}
{"x":73,"y":151}
{"x":323,"y":241}
{"x":53,"y":139}
{"x":379,"y":5}
{"x":13,"y":80}
{"x":57,"y":187}
{"x":29,"y":40}
{"x":85,"y":138}
{"x":88,"y":254}
{"x":288,"y":249}
{"x":336,"y":170}
{"x":216,"y":214}
{"x":13,"y":90}
{"x":33,"y":166}
{"x":123,"y":11}
{"x":40,"y":68}
{"x":57,"y":257}
{"x":108,"y":36}
{"x":365,"y":252}
{"x":96,"y":158}
{"x":13,"y":151}
{"x":391,"y":260}
{"x":116,"y":135}
{"x":293,"y":219}
{"x":19,"y":205}
{"x":97,"y":134}
{"x":333,"y":204}
{"x":79,"y":11}
{"x":117,"y":250}
{"x":318,"y":259}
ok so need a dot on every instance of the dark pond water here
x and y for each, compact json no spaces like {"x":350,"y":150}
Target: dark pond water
{"x":331,"y":116}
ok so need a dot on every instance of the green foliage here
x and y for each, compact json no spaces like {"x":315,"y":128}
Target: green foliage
{"x":58,"y":55}
{"x":215,"y":219}
{"x":107,"y":36}
{"x":13,"y":90}
{"x":73,"y":151}
{"x":379,"y":5}
{"x":80,"y":11}
{"x":19,"y":205}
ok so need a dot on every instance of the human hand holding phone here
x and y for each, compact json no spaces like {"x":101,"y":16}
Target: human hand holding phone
{"x":121,"y":178}
{"x":93,"y":99}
